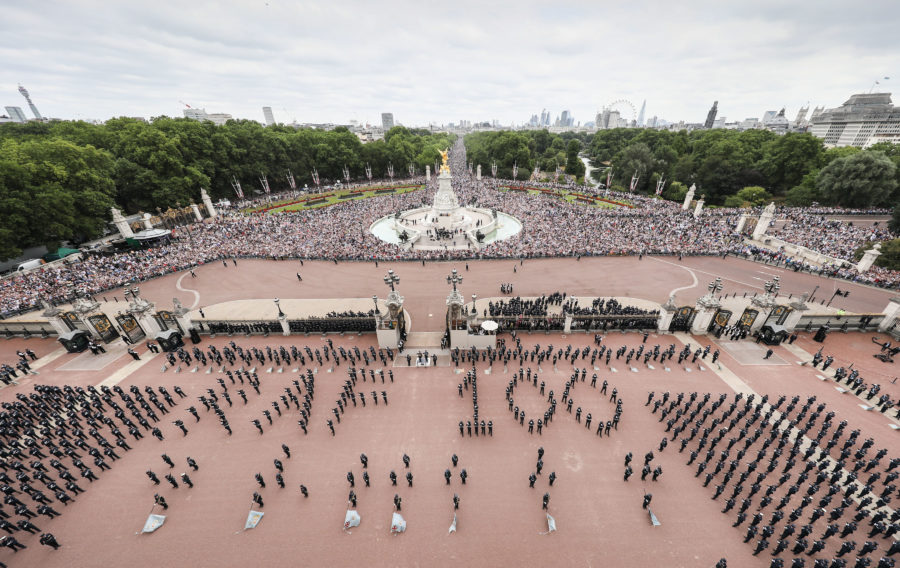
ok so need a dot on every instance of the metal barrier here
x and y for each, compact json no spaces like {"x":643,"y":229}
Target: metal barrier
{"x":10,"y":329}
{"x":846,"y":322}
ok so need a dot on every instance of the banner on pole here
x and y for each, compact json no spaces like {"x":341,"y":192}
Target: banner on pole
{"x":253,"y":518}
{"x":153,"y":523}
{"x":351,"y":519}
{"x":453,"y":525}
{"x":398,"y":523}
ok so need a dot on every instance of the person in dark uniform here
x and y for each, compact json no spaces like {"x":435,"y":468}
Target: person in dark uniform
{"x":304,"y":491}
{"x":192,"y":463}
{"x":152,"y":477}
{"x":260,"y":480}
{"x":330,"y":426}
{"x":171,"y":479}
{"x":286,"y":450}
{"x":546,"y":501}
{"x":447,"y":476}
{"x":409,"y":478}
{"x":397,"y":501}
{"x":187,"y":480}
{"x":161,"y":501}
{"x":47,"y":539}
{"x":454,"y":460}
{"x":463,"y":475}
{"x":552,"y":478}
{"x":278,"y":465}
{"x":365,"y":460}
{"x":168,"y":460}
{"x":350,"y":478}
{"x":393,"y":477}
{"x":455,"y":501}
{"x":531,"y":479}
{"x":647,"y":498}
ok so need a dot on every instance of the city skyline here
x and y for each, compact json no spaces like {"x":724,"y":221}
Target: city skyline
{"x":317,"y":62}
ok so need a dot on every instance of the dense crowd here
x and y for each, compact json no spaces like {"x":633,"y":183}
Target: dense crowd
{"x":551,"y":227}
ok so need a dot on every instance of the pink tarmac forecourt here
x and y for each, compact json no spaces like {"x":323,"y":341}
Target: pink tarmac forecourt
{"x":598,"y":515}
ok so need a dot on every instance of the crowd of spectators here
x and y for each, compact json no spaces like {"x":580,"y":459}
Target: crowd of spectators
{"x":551,"y":227}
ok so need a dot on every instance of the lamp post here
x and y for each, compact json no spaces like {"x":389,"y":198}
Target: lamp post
{"x":454,"y":279}
{"x":278,"y":305}
{"x":375,"y":301}
{"x":391,"y":279}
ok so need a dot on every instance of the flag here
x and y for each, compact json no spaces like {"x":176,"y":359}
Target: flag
{"x":453,"y":525}
{"x":153,"y":523}
{"x":398,"y":523}
{"x":551,"y":524}
{"x":351,"y":519}
{"x":253,"y":518}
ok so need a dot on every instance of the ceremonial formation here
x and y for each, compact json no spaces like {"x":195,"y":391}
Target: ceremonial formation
{"x":605,"y":407}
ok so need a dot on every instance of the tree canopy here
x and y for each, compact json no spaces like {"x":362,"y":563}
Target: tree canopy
{"x":723,"y":162}
{"x":58,"y":180}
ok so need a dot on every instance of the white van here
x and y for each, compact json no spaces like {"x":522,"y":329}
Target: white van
{"x":29,"y":264}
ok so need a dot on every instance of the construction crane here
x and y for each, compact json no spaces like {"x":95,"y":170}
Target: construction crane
{"x":24,"y":92}
{"x":185,"y":104}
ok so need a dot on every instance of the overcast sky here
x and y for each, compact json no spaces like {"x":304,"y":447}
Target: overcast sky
{"x":425,"y":61}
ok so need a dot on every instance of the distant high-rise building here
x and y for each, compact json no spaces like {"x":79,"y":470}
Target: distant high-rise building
{"x":711,"y":115}
{"x":769,"y":116}
{"x":640,"y":119}
{"x":863,"y":120}
{"x":200,"y":114}
{"x":270,"y":118}
{"x":801,"y":117}
{"x":34,"y":109}
{"x":16,"y":114}
{"x":564,"y":118}
{"x":387,"y":120}
{"x":196,"y":114}
{"x":613,"y":119}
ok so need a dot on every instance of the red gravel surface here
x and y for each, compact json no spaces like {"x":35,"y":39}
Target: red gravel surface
{"x":598,"y":515}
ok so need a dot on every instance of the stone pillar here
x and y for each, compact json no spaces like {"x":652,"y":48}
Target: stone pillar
{"x":52,"y":314}
{"x":689,"y":197}
{"x":763,"y":225}
{"x":698,"y":209}
{"x":891,"y":314}
{"x":478,"y":173}
{"x":182,"y":315}
{"x":741,"y":222}
{"x":121,"y":224}
{"x":869,"y":258}
{"x":207,"y":202}
{"x":285,"y":327}
{"x":196,"y":209}
{"x":567,"y":327}
{"x":147,"y":323}
{"x":427,"y":173}
{"x":666,"y":313}
{"x":145,"y":220}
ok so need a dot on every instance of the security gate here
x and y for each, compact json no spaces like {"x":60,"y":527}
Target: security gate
{"x":778,"y":315}
{"x":104,"y":327}
{"x":167,"y":320}
{"x":130,"y":327}
{"x":747,"y":319}
{"x":719,"y":321}
{"x":683,"y":319}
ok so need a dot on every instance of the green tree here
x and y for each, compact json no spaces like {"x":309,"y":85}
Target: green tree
{"x":894,"y":223}
{"x":788,"y":158}
{"x":574,"y":165}
{"x":862,"y":180}
{"x":806,"y":193}
{"x":754,"y":196}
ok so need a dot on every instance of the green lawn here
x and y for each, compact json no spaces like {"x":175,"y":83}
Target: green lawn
{"x":316,"y":201}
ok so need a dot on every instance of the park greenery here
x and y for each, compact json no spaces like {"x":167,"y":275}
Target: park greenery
{"x":742,"y":169}
{"x":527,"y":149}
{"x":59,"y":179}
{"x":325,"y":199}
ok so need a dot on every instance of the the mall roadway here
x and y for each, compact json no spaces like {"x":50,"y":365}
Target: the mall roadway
{"x":425,"y":288}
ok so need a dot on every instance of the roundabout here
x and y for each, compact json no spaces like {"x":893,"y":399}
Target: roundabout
{"x":445,"y":225}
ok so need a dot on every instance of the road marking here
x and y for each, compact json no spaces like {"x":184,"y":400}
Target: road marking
{"x":690,"y":271}
{"x":194,"y":292}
